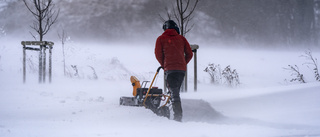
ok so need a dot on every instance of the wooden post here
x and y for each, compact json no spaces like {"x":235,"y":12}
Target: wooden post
{"x":50,"y":63}
{"x":194,"y":50}
{"x":195,"y":71}
{"x":186,"y":80}
{"x":42,"y":58}
{"x":24,"y":64}
{"x":44,"y":64}
{"x":40,"y":65}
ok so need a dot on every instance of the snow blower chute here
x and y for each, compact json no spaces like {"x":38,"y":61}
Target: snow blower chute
{"x":151,"y":97}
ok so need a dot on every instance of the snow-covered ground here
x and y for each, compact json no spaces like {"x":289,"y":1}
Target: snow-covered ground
{"x":264,"y":105}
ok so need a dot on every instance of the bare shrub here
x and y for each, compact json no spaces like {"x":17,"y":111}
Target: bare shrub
{"x":94,"y":74}
{"x":312,"y":62}
{"x":226,"y":76}
{"x":296,"y":73}
{"x":231,"y":76}
{"x":214,"y":72}
{"x":75,"y":68}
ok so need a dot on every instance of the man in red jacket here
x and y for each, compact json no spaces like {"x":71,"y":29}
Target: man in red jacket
{"x":173,"y":52}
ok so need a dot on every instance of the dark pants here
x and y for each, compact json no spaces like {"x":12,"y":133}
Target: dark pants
{"x":174,"y":80}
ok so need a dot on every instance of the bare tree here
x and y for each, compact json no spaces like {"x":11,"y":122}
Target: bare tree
{"x":169,"y":16}
{"x":63,"y":38}
{"x":44,"y":14}
{"x":182,"y":12}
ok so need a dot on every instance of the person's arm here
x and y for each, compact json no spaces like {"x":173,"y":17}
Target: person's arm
{"x":159,"y":52}
{"x":187,"y":51}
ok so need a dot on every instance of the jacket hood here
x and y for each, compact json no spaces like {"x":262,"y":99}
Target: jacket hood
{"x":170,"y":32}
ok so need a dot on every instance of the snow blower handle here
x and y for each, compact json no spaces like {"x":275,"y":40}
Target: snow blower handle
{"x":159,"y":69}
{"x":144,"y":101}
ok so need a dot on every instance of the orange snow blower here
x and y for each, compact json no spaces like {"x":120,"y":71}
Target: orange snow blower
{"x":151,"y":97}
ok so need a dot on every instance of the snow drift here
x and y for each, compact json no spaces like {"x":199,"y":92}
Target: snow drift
{"x":263,"y":105}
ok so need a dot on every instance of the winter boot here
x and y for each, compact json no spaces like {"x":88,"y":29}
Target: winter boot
{"x":177,"y":111}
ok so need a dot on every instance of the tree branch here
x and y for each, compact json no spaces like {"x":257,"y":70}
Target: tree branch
{"x":44,"y":16}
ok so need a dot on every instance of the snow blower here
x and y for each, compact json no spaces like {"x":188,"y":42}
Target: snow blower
{"x":151,"y":97}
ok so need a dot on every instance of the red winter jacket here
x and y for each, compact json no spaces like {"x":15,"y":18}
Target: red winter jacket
{"x":173,"y":51}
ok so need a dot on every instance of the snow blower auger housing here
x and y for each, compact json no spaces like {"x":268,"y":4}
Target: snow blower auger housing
{"x":150,"y":97}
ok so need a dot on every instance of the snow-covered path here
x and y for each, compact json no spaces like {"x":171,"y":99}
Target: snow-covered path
{"x":262,"y":106}
{"x":86,"y":108}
